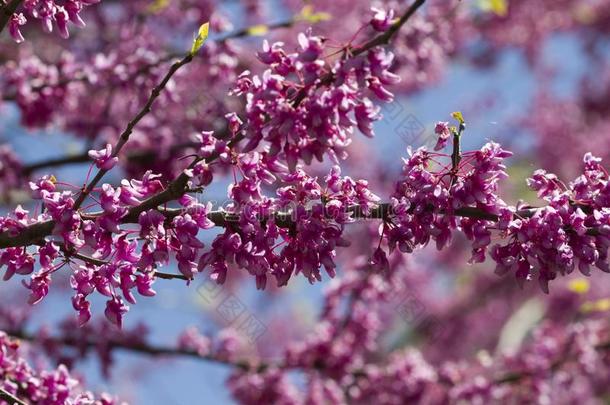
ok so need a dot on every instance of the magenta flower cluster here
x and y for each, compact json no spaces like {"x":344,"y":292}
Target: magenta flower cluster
{"x":111,"y":262}
{"x":50,"y":13}
{"x":55,"y":387}
{"x":429,"y":198}
{"x":571,"y":231}
{"x":297,"y":232}
{"x":304,"y":108}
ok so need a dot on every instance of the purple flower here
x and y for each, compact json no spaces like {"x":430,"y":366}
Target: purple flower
{"x":382,"y":20}
{"x":38,"y":286}
{"x":442,"y":130}
{"x":115,"y":309}
{"x":42,"y":187}
{"x":103,"y":158}
{"x":234,"y":122}
{"x":14,"y":23}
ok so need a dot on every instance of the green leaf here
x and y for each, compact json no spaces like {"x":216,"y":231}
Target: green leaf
{"x":458,"y":116}
{"x":498,"y":7}
{"x":307,"y":14}
{"x":158,"y":6}
{"x":579,"y":286}
{"x":258,"y":30}
{"x":202,"y":35}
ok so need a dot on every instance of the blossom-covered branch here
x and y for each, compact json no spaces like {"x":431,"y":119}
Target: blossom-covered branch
{"x":306,"y":196}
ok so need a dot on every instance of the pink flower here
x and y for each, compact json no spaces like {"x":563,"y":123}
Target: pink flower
{"x":115,"y":309}
{"x":42,"y":187}
{"x":444,"y":133}
{"x":192,"y":340}
{"x":39,"y":287}
{"x":382,"y":20}
{"x":103,"y":158}
{"x":61,"y":19}
{"x":234,"y":122}
{"x":14,"y":23}
{"x":80,"y":304}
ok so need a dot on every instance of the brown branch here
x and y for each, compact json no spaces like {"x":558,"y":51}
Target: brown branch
{"x":7,"y":12}
{"x":61,"y":161}
{"x":250,"y":365}
{"x":37,"y":232}
{"x":10,"y":399}
{"x":135,"y":347}
{"x":145,"y":155}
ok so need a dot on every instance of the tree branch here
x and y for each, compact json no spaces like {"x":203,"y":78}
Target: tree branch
{"x":145,"y":155}
{"x":251,"y":365}
{"x":8,"y":397}
{"x":135,"y":347}
{"x":37,"y":232}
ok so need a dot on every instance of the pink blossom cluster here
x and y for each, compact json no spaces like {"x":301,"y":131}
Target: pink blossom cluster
{"x":580,"y":122}
{"x":422,"y":49}
{"x":101,"y":238}
{"x":297,"y":232}
{"x":429,"y":198}
{"x":53,"y":93}
{"x":11,"y":173}
{"x":52,"y":387}
{"x":37,"y":87}
{"x":288,"y":110}
{"x":300,"y":230}
{"x":571,"y":231}
{"x":50,"y":13}
{"x":338,"y":359}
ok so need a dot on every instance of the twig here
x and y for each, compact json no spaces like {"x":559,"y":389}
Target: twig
{"x":456,"y":154}
{"x":146,"y":155}
{"x":10,"y":398}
